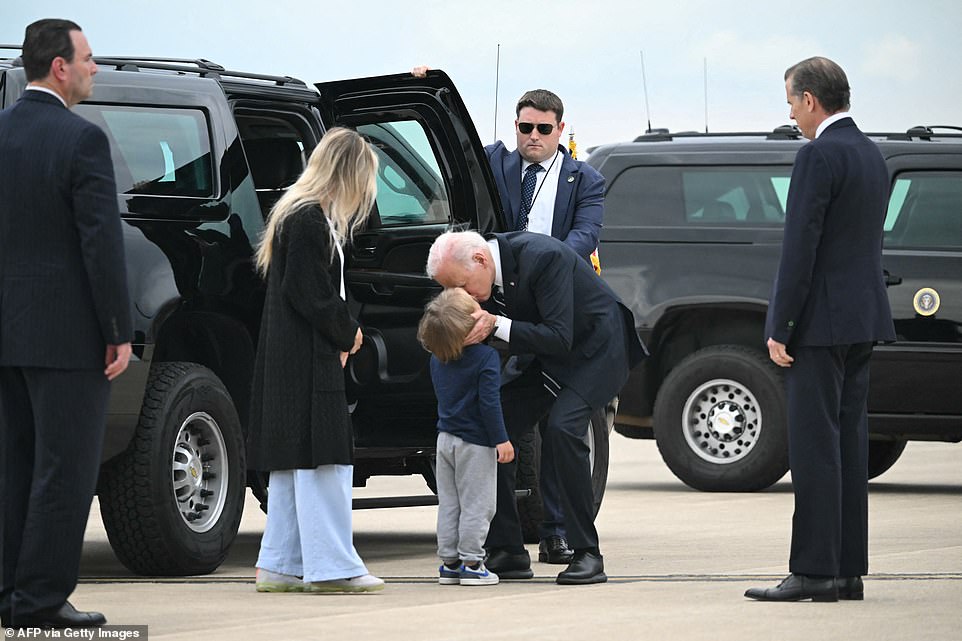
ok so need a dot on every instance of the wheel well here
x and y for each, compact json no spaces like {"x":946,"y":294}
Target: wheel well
{"x":683,"y":331}
{"x":220,"y":343}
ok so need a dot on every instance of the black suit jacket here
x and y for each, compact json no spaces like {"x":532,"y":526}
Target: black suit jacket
{"x":63,"y":282}
{"x":565,"y":315}
{"x":829,"y":289}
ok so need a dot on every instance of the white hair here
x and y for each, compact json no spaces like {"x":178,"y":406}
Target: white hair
{"x":454,"y":246}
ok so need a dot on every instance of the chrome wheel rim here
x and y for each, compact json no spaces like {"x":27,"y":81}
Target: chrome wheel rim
{"x":722,"y":421}
{"x":199,"y":472}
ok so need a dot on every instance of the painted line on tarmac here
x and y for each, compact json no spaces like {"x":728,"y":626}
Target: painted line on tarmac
{"x":635,"y":578}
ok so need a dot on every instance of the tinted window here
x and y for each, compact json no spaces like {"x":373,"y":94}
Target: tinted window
{"x":156,"y":151}
{"x":409,"y":186}
{"x":657,"y":196}
{"x":925,"y":210}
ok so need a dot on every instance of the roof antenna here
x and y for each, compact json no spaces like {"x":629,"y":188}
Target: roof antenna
{"x":497,"y":73}
{"x":706,"y":94}
{"x":644,"y":84}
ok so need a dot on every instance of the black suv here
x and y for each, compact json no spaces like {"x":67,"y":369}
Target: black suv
{"x":200,"y":155}
{"x":692,"y":238}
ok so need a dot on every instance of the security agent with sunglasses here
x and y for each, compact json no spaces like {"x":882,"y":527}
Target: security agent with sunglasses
{"x":568,"y":195}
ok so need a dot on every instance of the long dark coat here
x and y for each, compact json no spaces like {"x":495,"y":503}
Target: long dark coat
{"x":299,"y":416}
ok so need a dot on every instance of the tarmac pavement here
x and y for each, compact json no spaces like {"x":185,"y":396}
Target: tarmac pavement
{"x":678,"y":563}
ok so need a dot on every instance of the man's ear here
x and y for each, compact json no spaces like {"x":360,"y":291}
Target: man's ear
{"x":58,"y":68}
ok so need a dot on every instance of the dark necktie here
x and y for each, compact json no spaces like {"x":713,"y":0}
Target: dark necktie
{"x":527,"y":193}
{"x":497,"y":295}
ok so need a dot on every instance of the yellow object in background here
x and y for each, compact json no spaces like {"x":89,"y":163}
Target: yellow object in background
{"x":572,"y":145}
{"x":596,"y":261}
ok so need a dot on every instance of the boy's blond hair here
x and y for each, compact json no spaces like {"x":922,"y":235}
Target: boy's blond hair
{"x":446,"y":322}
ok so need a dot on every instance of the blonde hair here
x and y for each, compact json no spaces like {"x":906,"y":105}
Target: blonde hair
{"x":340,"y":177}
{"x":446,"y":322}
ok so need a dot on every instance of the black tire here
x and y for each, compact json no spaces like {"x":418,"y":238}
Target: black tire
{"x":720,"y":420}
{"x":530,"y":509}
{"x":153,"y":496}
{"x":882,"y":455}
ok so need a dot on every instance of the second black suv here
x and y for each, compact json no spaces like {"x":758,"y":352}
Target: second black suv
{"x":692,"y":238}
{"x":200,"y":155}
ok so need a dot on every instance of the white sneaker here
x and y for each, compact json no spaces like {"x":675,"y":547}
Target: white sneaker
{"x":268,"y":581}
{"x":477,"y":576}
{"x":363,"y":583}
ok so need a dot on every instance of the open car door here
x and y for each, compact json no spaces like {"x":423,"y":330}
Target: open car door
{"x":433,"y":173}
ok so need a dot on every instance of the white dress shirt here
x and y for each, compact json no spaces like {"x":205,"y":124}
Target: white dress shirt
{"x":503,"y":330}
{"x":541,"y":216}
{"x":828,"y":121}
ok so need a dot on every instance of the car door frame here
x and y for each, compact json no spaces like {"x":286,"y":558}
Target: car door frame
{"x":385,"y":265}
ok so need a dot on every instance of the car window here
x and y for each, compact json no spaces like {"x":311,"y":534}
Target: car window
{"x":410,"y":190}
{"x":925,"y":210}
{"x":156,"y":151}
{"x":740,"y":196}
{"x":675,"y":196}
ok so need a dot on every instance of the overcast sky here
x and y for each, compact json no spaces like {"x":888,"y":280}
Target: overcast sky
{"x":903,"y":58}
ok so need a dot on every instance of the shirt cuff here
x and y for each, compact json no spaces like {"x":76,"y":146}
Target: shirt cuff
{"x":503,"y":330}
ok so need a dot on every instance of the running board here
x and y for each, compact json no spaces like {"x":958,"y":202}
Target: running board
{"x":410,"y":501}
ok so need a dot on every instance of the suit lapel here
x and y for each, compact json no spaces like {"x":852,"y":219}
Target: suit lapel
{"x":509,"y":272}
{"x":562,"y":201}
{"x":511,"y":168}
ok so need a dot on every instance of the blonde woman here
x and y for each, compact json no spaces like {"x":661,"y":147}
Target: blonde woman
{"x":300,"y":429}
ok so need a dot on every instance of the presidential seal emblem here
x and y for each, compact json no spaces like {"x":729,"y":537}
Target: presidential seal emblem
{"x":926,"y":301}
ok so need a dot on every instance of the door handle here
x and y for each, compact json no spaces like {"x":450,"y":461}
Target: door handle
{"x":890,"y":279}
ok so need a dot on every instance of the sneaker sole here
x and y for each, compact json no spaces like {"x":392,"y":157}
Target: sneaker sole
{"x":479,"y":581}
{"x":279,"y":587}
{"x":444,"y":580}
{"x":344,"y":589}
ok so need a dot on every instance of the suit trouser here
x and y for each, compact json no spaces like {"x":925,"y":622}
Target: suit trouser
{"x":524,"y":402}
{"x":828,"y":455}
{"x":552,"y":516}
{"x":51,"y":436}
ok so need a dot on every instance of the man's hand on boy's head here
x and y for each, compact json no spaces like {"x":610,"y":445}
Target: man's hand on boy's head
{"x":482,"y":328}
{"x":505,"y":452}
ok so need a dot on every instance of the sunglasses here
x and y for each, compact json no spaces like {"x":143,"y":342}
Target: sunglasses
{"x":527,"y":127}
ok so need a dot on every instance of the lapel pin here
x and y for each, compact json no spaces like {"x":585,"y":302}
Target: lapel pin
{"x":571,"y":179}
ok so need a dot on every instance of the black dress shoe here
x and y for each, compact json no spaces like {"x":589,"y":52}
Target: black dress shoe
{"x":66,"y":616}
{"x":554,"y":549}
{"x":508,"y":565}
{"x":585,"y":567}
{"x":797,"y":587}
{"x":851,"y":588}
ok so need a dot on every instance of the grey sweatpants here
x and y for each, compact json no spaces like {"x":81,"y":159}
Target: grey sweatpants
{"x":467,"y":493}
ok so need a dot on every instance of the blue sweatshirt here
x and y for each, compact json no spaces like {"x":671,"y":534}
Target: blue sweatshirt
{"x":469,"y":396}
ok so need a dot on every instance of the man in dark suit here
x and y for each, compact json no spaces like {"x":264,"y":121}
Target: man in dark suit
{"x":544,"y":190}
{"x":828,"y":309}
{"x":555,"y":307}
{"x":567,"y":195}
{"x":65,"y":325}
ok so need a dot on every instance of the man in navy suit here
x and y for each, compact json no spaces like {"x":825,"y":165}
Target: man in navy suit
{"x":568,"y":197}
{"x":828,"y":309}
{"x":555,"y":307}
{"x":564,"y":199}
{"x":65,"y":325}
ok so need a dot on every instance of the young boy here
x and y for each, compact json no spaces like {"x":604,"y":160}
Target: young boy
{"x":471,"y":436}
